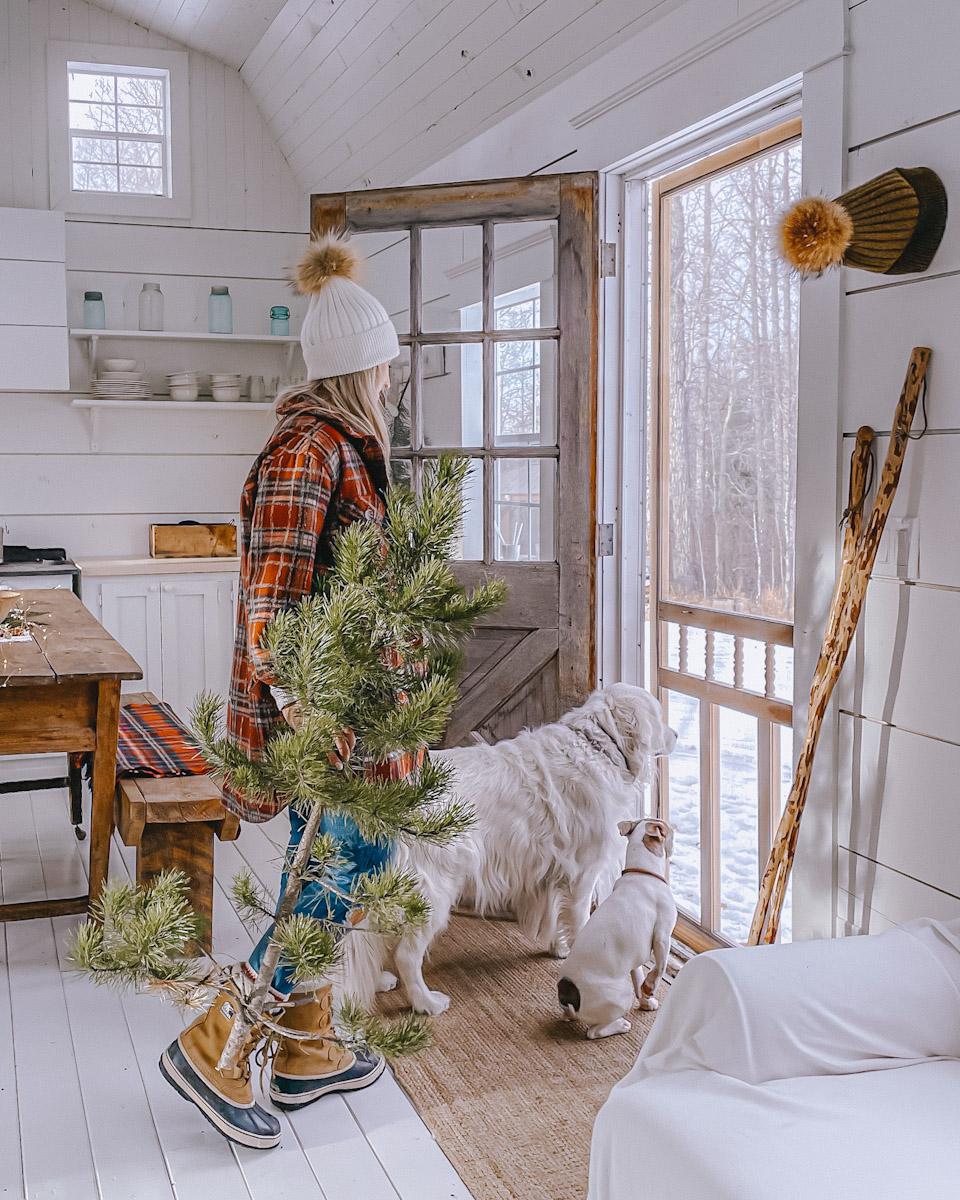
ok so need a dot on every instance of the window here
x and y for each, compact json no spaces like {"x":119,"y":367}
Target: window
{"x":487,"y":386}
{"x":722,"y":491}
{"x":119,"y":130}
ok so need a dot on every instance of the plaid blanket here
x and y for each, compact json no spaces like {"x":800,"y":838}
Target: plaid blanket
{"x":154,"y":741}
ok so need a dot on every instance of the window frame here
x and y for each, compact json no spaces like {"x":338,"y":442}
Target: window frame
{"x":771,"y":712}
{"x":121,"y":60}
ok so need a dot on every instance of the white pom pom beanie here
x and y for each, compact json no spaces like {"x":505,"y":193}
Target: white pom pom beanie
{"x":345,"y":329}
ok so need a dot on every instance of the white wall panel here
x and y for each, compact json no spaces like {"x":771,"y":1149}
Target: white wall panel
{"x":30,"y":421}
{"x":900,"y":803}
{"x":880,"y":329}
{"x":906,"y":664}
{"x":868,"y":888}
{"x":34,"y":484}
{"x":98,"y":535}
{"x":901,"y":69}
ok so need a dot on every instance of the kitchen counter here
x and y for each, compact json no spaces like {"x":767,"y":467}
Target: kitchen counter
{"x":91,"y":567}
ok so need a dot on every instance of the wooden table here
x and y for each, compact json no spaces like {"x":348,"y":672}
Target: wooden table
{"x":61,"y":692}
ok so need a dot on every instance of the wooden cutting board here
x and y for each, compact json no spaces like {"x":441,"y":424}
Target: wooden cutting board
{"x":193,"y":541}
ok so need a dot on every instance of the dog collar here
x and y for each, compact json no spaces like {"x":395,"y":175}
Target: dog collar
{"x":642,"y":871}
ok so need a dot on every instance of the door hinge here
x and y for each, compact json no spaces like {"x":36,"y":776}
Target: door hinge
{"x":608,"y":259}
{"x":604,"y":541}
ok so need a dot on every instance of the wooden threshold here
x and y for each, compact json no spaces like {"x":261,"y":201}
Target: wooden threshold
{"x":691,"y":934}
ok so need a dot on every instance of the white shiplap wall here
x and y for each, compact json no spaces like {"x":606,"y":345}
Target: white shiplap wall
{"x":244,"y":232}
{"x":899,"y":809}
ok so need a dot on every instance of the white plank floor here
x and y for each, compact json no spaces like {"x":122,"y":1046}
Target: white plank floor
{"x":84,"y":1112}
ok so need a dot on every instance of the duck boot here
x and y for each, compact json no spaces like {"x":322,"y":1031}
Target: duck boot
{"x":306,"y":1069}
{"x":225,"y":1098}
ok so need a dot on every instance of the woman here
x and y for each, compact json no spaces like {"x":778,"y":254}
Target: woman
{"x":323,"y":468}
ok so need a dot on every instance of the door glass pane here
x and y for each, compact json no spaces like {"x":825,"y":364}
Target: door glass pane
{"x":451,"y":279}
{"x":739,"y":830}
{"x":730,"y":313}
{"x":682,"y":770}
{"x":525,"y":393}
{"x":397,"y":400}
{"x":524,"y":502}
{"x":386,"y":272}
{"x":525,"y":272}
{"x":452,"y":390}
{"x":470,"y":548}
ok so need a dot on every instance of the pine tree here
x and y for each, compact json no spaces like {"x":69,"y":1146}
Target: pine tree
{"x":371,"y":660}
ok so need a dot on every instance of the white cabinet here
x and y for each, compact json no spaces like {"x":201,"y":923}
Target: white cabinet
{"x":129,"y":609}
{"x":196,"y":633}
{"x":179,"y":628}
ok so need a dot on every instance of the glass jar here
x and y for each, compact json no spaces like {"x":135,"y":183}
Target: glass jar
{"x":151,"y":307}
{"x":220,"y":310}
{"x":280,"y":320}
{"x":94,"y":313}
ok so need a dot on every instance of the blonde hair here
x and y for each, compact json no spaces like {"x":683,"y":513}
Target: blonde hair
{"x":354,"y":397}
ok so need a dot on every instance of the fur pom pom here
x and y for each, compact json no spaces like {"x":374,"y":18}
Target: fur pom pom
{"x":814,"y":234}
{"x":326,"y":258}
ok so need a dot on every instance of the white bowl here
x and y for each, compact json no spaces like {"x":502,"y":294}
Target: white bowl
{"x":184,"y":392}
{"x":120,"y":364}
{"x":135,"y":375}
{"x":226,"y":393}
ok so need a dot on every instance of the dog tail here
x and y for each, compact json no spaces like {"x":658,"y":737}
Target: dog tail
{"x":569,"y":995}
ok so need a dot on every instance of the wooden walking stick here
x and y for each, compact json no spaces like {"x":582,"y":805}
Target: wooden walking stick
{"x":860,"y":542}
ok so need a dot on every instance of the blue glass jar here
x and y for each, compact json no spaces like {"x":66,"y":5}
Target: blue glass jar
{"x":220,"y":310}
{"x":94,"y":313}
{"x":280,"y":320}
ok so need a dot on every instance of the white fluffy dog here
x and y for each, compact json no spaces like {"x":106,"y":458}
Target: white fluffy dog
{"x":629,"y":928}
{"x":546,"y":807}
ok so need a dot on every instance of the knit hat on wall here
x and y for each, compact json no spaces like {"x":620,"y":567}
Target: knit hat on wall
{"x":345,"y":329}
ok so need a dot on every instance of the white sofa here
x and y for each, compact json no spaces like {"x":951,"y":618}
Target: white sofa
{"x":822,"y":1070}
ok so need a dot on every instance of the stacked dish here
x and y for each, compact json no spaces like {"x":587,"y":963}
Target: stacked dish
{"x":184,"y":385}
{"x":120,"y":379}
{"x":225,"y":387}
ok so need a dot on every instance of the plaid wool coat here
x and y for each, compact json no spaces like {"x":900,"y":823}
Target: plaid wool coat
{"x":314,"y":477}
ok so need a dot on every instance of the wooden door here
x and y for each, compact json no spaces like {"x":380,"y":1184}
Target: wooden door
{"x":493,"y":287}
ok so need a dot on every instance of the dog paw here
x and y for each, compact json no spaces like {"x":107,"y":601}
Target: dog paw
{"x":621,"y":1025}
{"x":649,"y":1003}
{"x":560,"y":949}
{"x":387,"y":981}
{"x":433,"y":1004}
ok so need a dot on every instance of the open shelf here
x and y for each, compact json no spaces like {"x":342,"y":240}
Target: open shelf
{"x":166,"y":335}
{"x":93,"y":407}
{"x":157,"y":402}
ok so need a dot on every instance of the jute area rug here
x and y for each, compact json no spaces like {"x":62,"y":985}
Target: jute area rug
{"x":508,"y":1089}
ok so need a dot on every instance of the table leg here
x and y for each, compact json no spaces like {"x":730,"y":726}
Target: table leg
{"x":102,"y":783}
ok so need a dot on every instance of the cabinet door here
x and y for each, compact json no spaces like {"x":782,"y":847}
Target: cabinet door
{"x":196,"y":623}
{"x":129,"y":609}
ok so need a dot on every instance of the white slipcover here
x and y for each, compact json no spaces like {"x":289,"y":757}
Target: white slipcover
{"x":817,"y":1070}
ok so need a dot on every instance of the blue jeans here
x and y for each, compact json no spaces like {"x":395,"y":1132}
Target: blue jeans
{"x":315,"y":899}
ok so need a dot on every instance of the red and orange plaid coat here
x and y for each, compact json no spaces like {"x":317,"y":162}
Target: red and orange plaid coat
{"x":314,"y":477}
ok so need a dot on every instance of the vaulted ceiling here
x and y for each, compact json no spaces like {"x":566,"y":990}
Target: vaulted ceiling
{"x":364,"y":93}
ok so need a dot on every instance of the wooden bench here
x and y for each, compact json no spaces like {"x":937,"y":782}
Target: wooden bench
{"x":172,"y":823}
